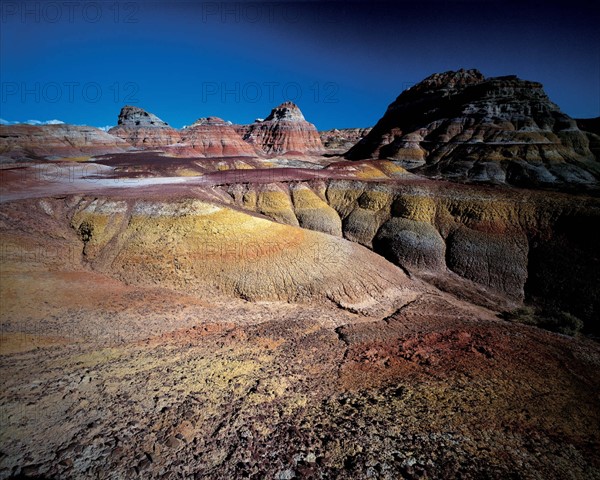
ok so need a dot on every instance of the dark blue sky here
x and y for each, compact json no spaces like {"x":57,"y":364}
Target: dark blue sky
{"x":342,"y":62}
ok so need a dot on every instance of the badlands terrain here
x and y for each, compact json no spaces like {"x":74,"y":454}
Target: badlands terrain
{"x":419,"y":299}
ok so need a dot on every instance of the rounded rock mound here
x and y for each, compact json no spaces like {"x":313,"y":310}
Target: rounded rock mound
{"x":207,"y":249}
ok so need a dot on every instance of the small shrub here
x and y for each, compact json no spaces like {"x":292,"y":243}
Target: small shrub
{"x":523,"y":314}
{"x":548,"y":319}
{"x":562,"y":322}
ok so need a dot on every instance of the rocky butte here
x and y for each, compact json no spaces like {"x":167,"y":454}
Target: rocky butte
{"x":229,"y":301}
{"x":461,"y":125}
{"x":212,"y":137}
{"x":142,"y":129}
{"x":284,"y":130}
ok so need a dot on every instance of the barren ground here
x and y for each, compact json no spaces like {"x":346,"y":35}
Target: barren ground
{"x":107,"y":379}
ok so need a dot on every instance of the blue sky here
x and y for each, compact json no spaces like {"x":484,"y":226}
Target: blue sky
{"x":342,"y":62}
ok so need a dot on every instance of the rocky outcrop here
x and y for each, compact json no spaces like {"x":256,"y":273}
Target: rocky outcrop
{"x":338,"y":141}
{"x":225,"y":326}
{"x":284,"y":130}
{"x":32,"y":142}
{"x":463,"y":126}
{"x":142,"y":129}
{"x":211,"y":137}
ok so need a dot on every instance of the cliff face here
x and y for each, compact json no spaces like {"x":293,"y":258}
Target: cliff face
{"x":147,"y":137}
{"x":30,"y":142}
{"x":137,"y":117}
{"x":284,"y":130}
{"x":460,"y":125}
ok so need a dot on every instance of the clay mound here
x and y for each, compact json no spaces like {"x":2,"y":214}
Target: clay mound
{"x":32,"y":142}
{"x":462,"y":126}
{"x":297,"y":204}
{"x":205,"y":249}
{"x":284,"y":130}
{"x":313,"y":212}
{"x":417,"y":244}
{"x":211,"y":137}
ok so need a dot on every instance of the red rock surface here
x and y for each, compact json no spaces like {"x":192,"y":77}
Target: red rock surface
{"x":207,"y":137}
{"x":211,"y":137}
{"x":147,"y":137}
{"x":32,"y":142}
{"x":284,"y":130}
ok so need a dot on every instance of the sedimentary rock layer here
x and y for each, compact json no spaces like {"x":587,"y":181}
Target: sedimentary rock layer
{"x":516,"y":244}
{"x":211,"y":137}
{"x":32,"y":142}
